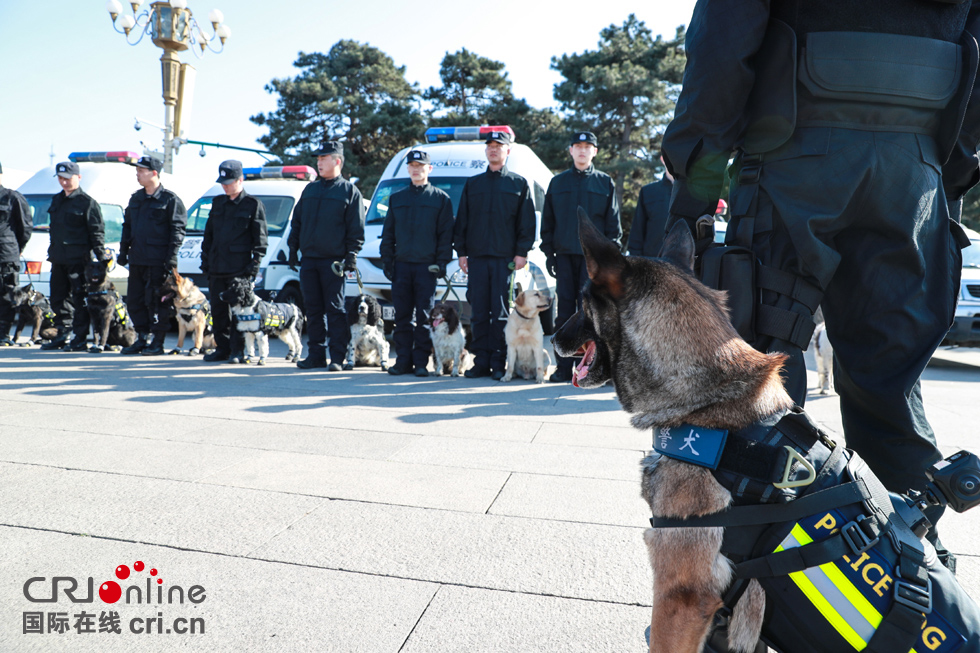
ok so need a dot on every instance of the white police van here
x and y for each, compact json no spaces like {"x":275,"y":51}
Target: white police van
{"x":966,"y":321}
{"x":110,"y":178}
{"x":456,"y":153}
{"x":279,"y":189}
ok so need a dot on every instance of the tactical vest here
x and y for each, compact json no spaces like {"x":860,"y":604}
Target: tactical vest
{"x":834,"y":551}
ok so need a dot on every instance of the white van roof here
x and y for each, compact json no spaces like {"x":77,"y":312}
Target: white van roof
{"x":468,"y":158}
{"x":110,"y":183}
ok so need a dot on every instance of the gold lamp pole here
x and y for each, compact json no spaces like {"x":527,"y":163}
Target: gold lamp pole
{"x":172,"y":27}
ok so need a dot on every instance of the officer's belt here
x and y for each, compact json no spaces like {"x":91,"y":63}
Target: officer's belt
{"x":873,"y":81}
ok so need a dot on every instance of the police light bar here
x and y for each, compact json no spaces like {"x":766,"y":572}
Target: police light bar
{"x":303,"y":173}
{"x":104,"y":157}
{"x":444,"y":134}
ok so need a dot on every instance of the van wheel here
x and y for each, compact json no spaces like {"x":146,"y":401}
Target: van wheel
{"x":548,"y":319}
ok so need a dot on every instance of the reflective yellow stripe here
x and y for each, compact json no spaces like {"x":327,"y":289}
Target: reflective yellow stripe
{"x":807,"y":581}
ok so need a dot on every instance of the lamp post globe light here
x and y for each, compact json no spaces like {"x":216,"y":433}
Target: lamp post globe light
{"x":173,"y":28}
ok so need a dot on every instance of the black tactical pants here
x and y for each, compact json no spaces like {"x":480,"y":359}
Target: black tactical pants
{"x":68,"y":299}
{"x":227,"y":339}
{"x":323,"y":295}
{"x":487,"y":292}
{"x":413,"y":294}
{"x":572,"y":275}
{"x":143,"y":298}
{"x":862,"y":216}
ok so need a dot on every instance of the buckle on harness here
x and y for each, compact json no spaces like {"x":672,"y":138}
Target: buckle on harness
{"x":751,"y":169}
{"x":913,"y":596}
{"x":791,"y":457}
{"x":855,"y":536}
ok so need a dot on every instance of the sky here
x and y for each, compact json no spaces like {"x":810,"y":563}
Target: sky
{"x":71,"y":83}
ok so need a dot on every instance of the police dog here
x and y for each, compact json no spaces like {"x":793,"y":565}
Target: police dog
{"x":257,"y":320}
{"x":448,"y":340}
{"x":526,"y":355}
{"x":193,"y":312}
{"x":33,"y":308}
{"x":111,"y":326}
{"x":824,"y":353}
{"x":666,"y":342}
{"x":367,"y":346}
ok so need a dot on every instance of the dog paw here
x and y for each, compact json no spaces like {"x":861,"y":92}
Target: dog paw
{"x":194,"y":352}
{"x":94,"y":349}
{"x":348,"y":367}
{"x":261,"y":361}
{"x":174,"y":352}
{"x":507,"y":377}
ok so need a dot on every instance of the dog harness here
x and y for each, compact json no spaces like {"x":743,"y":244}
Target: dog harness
{"x":268,"y":317}
{"x":834,"y":551}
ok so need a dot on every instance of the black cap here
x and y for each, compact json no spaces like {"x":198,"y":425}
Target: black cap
{"x":418,"y":155}
{"x":584,"y":137}
{"x":504,"y":138}
{"x":66,"y":169}
{"x":229,"y":171}
{"x":150,"y":163}
{"x":335,"y":148}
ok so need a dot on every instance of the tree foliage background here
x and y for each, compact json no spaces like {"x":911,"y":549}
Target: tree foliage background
{"x":624,"y":91}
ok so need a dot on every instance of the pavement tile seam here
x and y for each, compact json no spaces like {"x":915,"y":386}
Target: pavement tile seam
{"x":499,"y":492}
{"x":319,"y":567}
{"x":421,"y":616}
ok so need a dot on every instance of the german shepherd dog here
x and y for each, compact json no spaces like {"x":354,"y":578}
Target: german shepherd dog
{"x":193,"y":312}
{"x":111,"y":325}
{"x":33,"y":308}
{"x":257,"y":320}
{"x":448,"y":340}
{"x":635,"y":329}
{"x":367,"y":346}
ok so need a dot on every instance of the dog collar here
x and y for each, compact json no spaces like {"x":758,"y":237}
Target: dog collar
{"x":249,"y":318}
{"x":98,"y":292}
{"x":522,"y":315}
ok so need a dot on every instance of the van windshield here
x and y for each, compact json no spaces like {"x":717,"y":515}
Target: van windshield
{"x":277,"y":211}
{"x":379,"y":203}
{"x":112,"y":216}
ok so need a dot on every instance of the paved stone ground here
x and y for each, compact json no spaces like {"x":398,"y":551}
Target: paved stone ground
{"x":341,"y":511}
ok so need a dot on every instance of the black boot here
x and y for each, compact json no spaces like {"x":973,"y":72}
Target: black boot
{"x":5,"y":339}
{"x":136,"y":347}
{"x":58,"y":343}
{"x":156,"y":347}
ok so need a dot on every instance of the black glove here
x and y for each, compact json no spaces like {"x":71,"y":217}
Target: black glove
{"x":388,"y":267}
{"x":171,"y":264}
{"x":551,"y":262}
{"x":350,"y":263}
{"x":205,"y":269}
{"x":253,"y":269}
{"x":123,"y":258}
{"x":442,"y":271}
{"x":293,"y":260}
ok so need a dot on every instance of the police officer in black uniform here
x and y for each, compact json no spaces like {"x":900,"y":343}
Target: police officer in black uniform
{"x":417,"y":234}
{"x":15,"y":230}
{"x":650,"y":219}
{"x":581,"y":185}
{"x":152,"y":233}
{"x":494,"y":227}
{"x":853,"y":124}
{"x":328,"y":229}
{"x":77,"y":232}
{"x":235,"y":240}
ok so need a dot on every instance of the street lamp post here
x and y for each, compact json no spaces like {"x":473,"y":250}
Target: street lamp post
{"x":173,"y":28}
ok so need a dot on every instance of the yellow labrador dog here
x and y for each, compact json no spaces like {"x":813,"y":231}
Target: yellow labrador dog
{"x":526,"y":356}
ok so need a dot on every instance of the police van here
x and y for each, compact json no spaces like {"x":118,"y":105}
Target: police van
{"x":456,"y":153}
{"x":110,"y":178}
{"x":279,"y":189}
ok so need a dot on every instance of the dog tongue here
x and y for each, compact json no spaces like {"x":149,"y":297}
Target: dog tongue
{"x":582,"y":369}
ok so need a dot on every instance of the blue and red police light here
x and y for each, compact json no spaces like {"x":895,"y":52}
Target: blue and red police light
{"x":104,"y":157}
{"x":445,"y":134}
{"x":303,"y":173}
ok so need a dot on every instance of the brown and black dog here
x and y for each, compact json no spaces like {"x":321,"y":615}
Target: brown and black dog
{"x":111,"y":327}
{"x":666,"y":342}
{"x":34,"y":309}
{"x":193,"y":312}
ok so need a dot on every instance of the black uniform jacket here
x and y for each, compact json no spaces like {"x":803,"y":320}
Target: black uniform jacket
{"x":495,"y":216}
{"x":722,"y":41}
{"x":15,"y":225}
{"x":153,"y":228}
{"x":328,"y":220}
{"x":235,"y":236}
{"x":595,"y":192}
{"x":419,"y":226}
{"x":76,"y":229}
{"x":650,"y":220}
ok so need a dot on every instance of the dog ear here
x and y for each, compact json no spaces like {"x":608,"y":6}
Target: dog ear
{"x":678,"y":247}
{"x":602,"y":258}
{"x":520,"y":300}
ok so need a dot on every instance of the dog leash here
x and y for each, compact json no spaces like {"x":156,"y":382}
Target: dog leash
{"x":510,"y":293}
{"x":338,"y":269}
{"x":434,"y":269}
